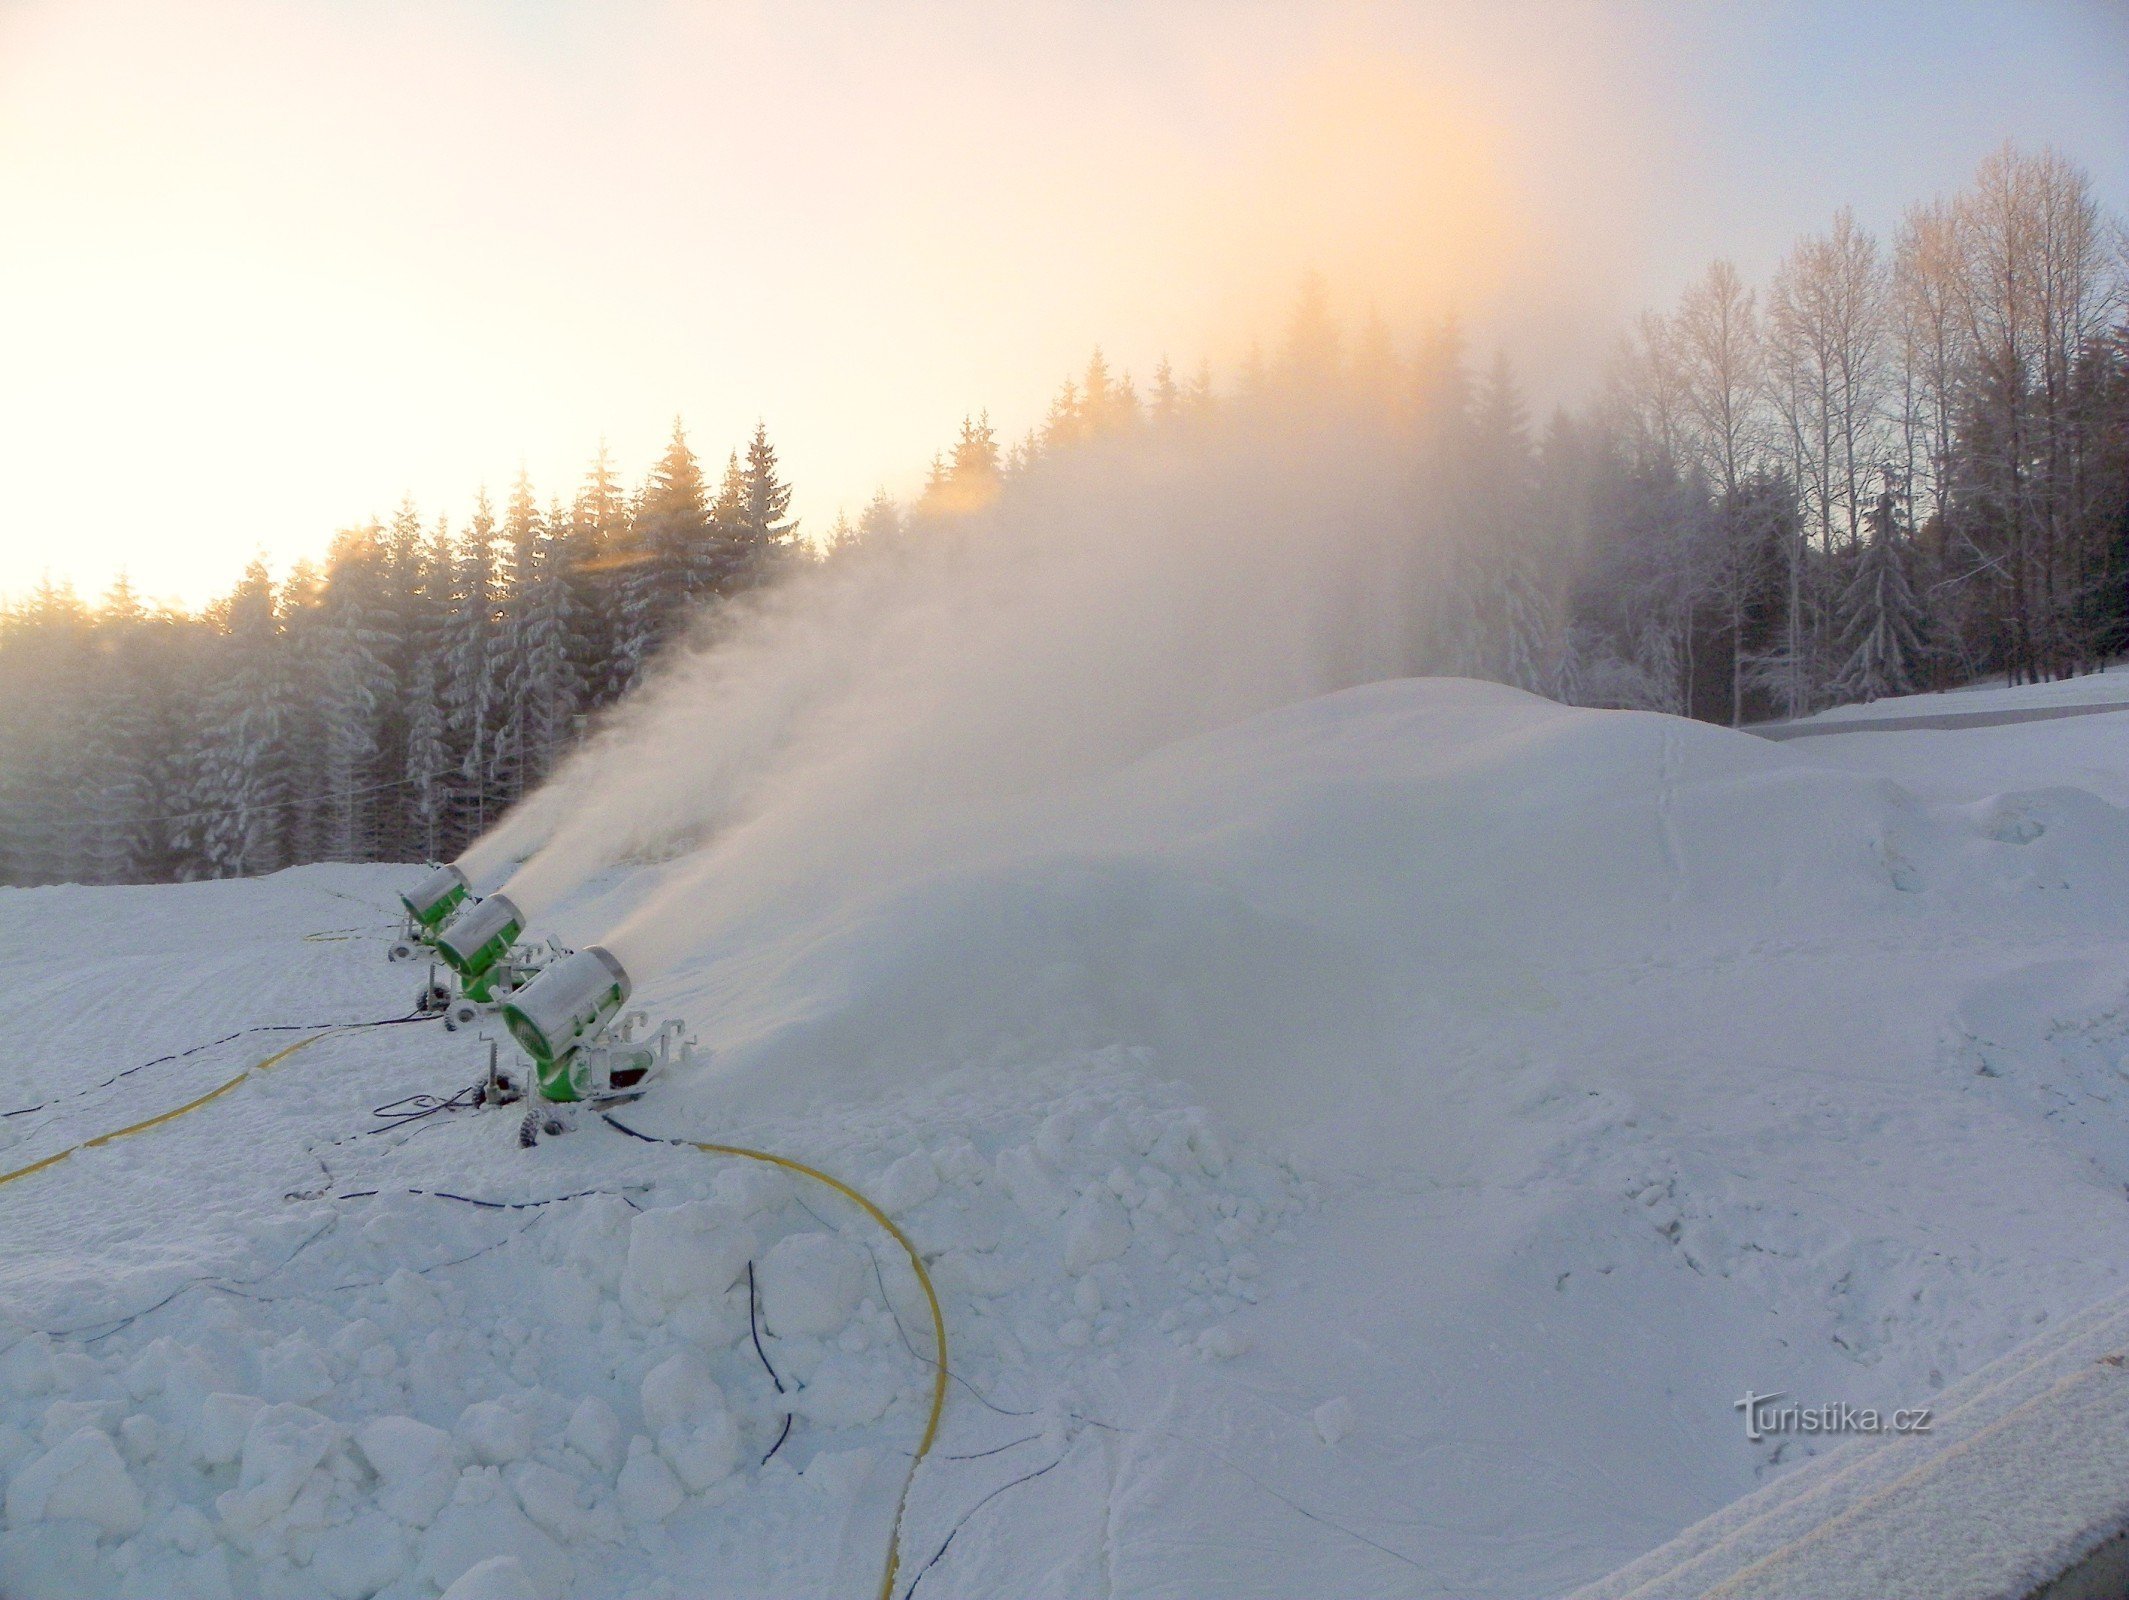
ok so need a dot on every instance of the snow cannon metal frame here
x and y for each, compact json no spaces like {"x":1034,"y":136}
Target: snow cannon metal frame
{"x":429,"y":905}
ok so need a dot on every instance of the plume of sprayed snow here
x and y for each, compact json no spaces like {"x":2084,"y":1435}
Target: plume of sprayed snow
{"x":910,"y":706}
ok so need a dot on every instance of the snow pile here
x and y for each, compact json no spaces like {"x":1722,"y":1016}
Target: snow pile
{"x":1365,"y":1149}
{"x":575,"y":1397}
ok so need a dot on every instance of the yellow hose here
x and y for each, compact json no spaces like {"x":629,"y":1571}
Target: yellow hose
{"x":916,"y":1261}
{"x":938,"y":1328}
{"x":117,"y":1134}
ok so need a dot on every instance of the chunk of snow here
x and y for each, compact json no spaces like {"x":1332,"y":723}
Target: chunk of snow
{"x":907,"y":1183}
{"x":1333,"y":1419}
{"x":466,"y":1535}
{"x":294,"y":1369}
{"x":497,"y":1578}
{"x":679,"y":1251}
{"x":1222,"y":1343}
{"x":550,"y":1499}
{"x":284,"y":1446}
{"x":417,"y":1466}
{"x":26,"y":1365}
{"x":702,"y":1455}
{"x":80,"y":1478}
{"x":358,"y":1558}
{"x":810,"y":1284}
{"x":1031,"y":1183}
{"x":647,"y":1491}
{"x":1096,"y":1230}
{"x":493,"y":1434}
{"x":224,"y":1421}
{"x":680,"y":1392}
{"x":595,"y":1432}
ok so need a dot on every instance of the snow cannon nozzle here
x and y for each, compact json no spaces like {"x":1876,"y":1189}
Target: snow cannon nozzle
{"x":433,"y":899}
{"x":480,"y":936}
{"x":566,"y":1006}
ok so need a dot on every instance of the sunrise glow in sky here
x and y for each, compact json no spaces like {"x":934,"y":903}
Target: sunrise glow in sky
{"x":268,"y":265}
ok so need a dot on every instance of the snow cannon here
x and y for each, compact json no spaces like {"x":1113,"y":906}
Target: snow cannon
{"x":583,"y":1046}
{"x":565,"y":1008}
{"x":480,"y":946}
{"x":429,"y":904}
{"x":479,"y":938}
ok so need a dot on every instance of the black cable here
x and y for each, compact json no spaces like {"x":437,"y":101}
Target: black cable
{"x":780,"y":1438}
{"x":971,"y":1512}
{"x":994,"y":1450}
{"x":754,"y":1328}
{"x":475,"y":1200}
{"x":180,"y":1055}
{"x":417,"y":1106}
{"x":920,"y":1357}
{"x":609,"y":1119}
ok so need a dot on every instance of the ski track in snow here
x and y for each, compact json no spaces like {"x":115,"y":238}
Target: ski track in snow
{"x":1364,"y":1054}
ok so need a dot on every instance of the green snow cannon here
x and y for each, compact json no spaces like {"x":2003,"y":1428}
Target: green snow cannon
{"x":429,"y":904}
{"x":478,"y":939}
{"x":433,"y":899}
{"x":563,"y":1009}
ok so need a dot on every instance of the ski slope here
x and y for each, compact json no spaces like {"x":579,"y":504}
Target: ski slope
{"x":1364,"y":1150}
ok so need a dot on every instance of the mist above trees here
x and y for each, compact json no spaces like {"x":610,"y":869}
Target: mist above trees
{"x":1895,"y":465}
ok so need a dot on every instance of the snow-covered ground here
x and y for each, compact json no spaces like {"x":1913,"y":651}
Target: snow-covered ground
{"x":2107,"y":687}
{"x":1363,"y":1151}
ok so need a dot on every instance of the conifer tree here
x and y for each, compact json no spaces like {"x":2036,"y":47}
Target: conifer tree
{"x":547,"y":693}
{"x":518,"y":579}
{"x":360,"y":681}
{"x":1881,"y":622}
{"x":881,"y":520}
{"x":117,"y":732}
{"x":245,"y":781}
{"x":471,"y":698}
{"x":600,"y":552}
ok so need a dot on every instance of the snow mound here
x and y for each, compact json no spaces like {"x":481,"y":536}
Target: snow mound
{"x":1284,"y":909}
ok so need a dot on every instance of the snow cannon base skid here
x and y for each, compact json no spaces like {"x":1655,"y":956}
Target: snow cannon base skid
{"x":429,"y":905}
{"x":583,"y":1048}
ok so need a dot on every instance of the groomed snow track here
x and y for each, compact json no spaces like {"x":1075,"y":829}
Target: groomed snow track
{"x":2019,"y":1491}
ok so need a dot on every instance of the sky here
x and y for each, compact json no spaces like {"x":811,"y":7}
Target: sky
{"x":269,"y":266}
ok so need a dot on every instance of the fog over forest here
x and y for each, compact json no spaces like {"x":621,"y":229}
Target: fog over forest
{"x":1898,"y":463}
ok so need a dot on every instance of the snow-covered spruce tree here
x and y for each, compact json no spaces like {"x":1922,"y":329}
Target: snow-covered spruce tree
{"x":516,"y":576}
{"x":672,"y":561}
{"x":545,"y":691}
{"x":470,"y":686}
{"x":404,"y":600}
{"x":427,"y":758}
{"x":305,"y":820}
{"x":358,"y":648}
{"x":117,"y":736}
{"x":45,"y":650}
{"x":1881,"y":622}
{"x":881,"y":519}
{"x":244,"y":771}
{"x":600,"y":550}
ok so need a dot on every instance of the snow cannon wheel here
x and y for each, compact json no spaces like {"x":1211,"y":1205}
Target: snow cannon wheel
{"x":401,"y":950}
{"x":463,"y":1013}
{"x":434,"y":996}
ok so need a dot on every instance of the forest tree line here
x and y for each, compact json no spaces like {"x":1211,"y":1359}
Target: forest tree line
{"x":1896,"y":465}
